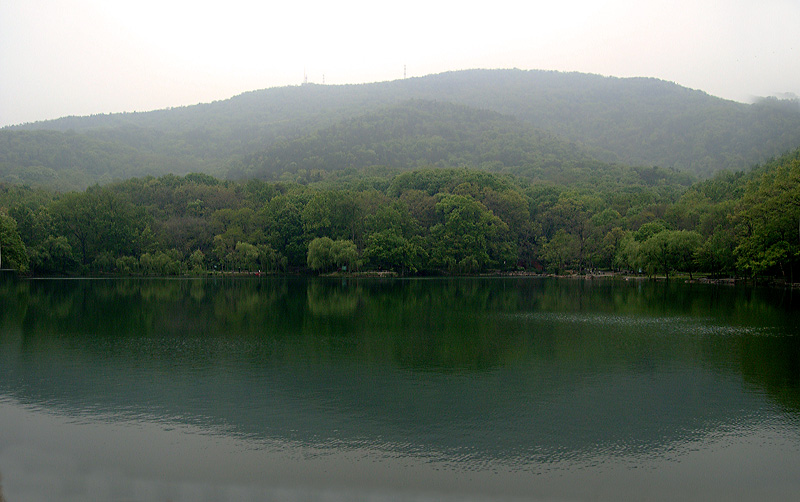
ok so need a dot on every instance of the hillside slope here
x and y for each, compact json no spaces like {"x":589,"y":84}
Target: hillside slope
{"x":635,"y":121}
{"x":417,"y":134}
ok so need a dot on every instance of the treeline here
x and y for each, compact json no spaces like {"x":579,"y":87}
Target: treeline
{"x":426,"y":221}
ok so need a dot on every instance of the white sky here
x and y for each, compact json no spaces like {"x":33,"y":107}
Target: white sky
{"x":79,"y":57}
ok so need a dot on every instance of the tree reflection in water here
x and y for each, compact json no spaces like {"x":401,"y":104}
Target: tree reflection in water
{"x":455,"y":375}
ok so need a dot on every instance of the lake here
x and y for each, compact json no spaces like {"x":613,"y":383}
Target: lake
{"x":389,"y":389}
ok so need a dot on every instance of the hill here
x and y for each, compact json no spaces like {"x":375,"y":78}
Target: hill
{"x":635,"y":121}
{"x":417,"y":134}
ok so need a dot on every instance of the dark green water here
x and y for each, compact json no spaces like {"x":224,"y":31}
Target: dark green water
{"x":452,"y":389}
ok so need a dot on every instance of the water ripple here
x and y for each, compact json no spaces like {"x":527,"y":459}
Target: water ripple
{"x":698,"y":325}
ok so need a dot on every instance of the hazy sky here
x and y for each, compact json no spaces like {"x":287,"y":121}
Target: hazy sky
{"x":79,"y":57}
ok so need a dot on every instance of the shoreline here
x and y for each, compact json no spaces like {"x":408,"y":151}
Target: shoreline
{"x":616,"y":276}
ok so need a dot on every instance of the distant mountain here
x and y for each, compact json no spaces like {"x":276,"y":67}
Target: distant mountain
{"x":416,"y":134}
{"x":74,"y":160}
{"x":636,"y":121}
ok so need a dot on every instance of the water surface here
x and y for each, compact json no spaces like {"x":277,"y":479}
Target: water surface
{"x":438,"y":389}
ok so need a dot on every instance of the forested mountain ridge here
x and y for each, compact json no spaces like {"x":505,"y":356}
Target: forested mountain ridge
{"x":417,"y":134}
{"x":635,"y":121}
{"x":71,"y":160}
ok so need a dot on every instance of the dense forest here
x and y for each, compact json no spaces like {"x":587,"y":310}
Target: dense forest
{"x":418,"y":134}
{"x":414,"y":221}
{"x":458,"y":173}
{"x":508,"y":121}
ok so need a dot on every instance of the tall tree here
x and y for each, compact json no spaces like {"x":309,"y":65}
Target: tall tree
{"x":12,"y":249}
{"x":469,"y":237}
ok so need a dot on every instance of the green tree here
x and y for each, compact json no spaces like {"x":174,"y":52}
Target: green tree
{"x":246,"y":256}
{"x":671,"y":250}
{"x":716,"y":254}
{"x":387,"y":250}
{"x":12,"y":250}
{"x":98,"y":221}
{"x":283,"y":228}
{"x":127,"y":265}
{"x":344,"y":254}
{"x":271,"y":260}
{"x":162,"y":263}
{"x":104,"y":263}
{"x":54,"y":256}
{"x":769,"y":220}
{"x":325,"y":254}
{"x":469,"y":237}
{"x":197,"y":261}
{"x":572,"y":213}
{"x":685,"y":247}
{"x":657,"y":253}
{"x":629,"y":254}
{"x":560,"y":251}
{"x":648,"y":230}
{"x":610,"y":246}
{"x":333,"y":213}
{"x":319,"y":254}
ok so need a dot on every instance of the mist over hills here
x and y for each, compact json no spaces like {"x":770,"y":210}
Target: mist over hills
{"x":415,"y":134}
{"x":524,"y":122}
